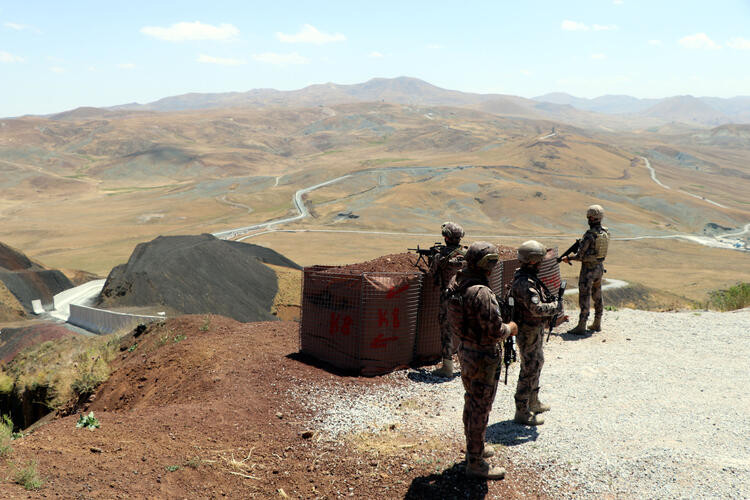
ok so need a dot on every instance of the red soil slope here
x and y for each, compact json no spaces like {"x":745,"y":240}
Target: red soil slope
{"x":198,"y":392}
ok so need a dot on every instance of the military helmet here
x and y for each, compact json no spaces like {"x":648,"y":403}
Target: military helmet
{"x":482,"y":255}
{"x":531,"y":252}
{"x":452,"y":231}
{"x":595,"y":212}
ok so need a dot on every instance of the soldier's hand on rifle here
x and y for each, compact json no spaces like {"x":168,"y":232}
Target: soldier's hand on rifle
{"x":513,"y":328}
{"x":561,"y":320}
{"x":566,"y":259}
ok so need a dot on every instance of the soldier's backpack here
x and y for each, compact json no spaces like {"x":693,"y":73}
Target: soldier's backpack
{"x":456,"y":312}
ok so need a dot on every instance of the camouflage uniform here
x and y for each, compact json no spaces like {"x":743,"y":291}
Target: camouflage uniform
{"x":590,"y":277}
{"x":479,"y":354}
{"x":534,"y":307}
{"x":443,"y":268}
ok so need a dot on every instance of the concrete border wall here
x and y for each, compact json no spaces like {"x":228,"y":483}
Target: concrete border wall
{"x":103,"y":321}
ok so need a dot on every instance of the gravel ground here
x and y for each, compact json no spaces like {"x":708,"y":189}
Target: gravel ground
{"x":655,"y":406}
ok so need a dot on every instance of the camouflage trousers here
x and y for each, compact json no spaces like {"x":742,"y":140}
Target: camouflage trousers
{"x":480,"y":371}
{"x":590,"y":285}
{"x":448,"y":341}
{"x":530,"y":340}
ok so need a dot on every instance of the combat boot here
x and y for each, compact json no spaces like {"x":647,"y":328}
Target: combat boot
{"x":537,"y":406}
{"x":527,"y":418}
{"x":479,"y":467}
{"x":597,"y":324}
{"x":580,"y":329}
{"x":445,"y":371}
{"x":487,"y":452}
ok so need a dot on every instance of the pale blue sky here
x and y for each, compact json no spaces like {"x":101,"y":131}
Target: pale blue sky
{"x":58,"y":55}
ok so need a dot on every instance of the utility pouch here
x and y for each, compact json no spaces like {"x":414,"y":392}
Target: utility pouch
{"x":490,"y":369}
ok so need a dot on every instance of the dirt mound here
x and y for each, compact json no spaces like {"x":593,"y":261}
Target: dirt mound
{"x":506,"y":253}
{"x":196,"y":275}
{"x":161,"y":365}
{"x":14,"y":340}
{"x":401,"y":263}
{"x":392,"y":263}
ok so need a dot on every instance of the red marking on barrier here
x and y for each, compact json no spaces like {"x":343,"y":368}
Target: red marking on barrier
{"x":393,"y":292}
{"x":380,"y":342}
{"x":383,"y":318}
{"x":344,"y":327}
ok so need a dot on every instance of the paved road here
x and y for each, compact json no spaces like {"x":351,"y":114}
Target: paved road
{"x":653,"y":177}
{"x":299,"y":204}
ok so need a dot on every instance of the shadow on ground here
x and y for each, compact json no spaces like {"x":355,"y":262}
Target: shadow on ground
{"x":509,"y":433}
{"x":571,"y":336}
{"x":451,"y":483}
{"x":425,"y":376}
{"x":313,"y":361}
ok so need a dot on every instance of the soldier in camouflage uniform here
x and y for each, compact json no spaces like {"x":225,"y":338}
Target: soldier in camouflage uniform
{"x":591,"y":253}
{"x":475,"y":315}
{"x":534,"y":307}
{"x":443,"y":268}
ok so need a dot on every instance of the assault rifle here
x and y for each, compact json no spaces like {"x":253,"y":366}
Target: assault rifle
{"x":509,"y":344}
{"x":559,"y":312}
{"x":573,"y":249}
{"x":427,"y":252}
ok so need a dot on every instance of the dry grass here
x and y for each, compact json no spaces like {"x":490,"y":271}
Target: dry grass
{"x":63,"y":363}
{"x":287,"y":303}
{"x":242,"y":468}
{"x":391,"y":441}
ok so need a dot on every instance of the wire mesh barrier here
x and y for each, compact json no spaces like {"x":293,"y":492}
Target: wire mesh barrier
{"x":427,"y":345}
{"x":549,"y":271}
{"x":375,"y":322}
{"x":364,"y":322}
{"x":502,"y":276}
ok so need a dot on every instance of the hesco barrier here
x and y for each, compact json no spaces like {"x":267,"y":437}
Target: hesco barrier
{"x":427,"y":345}
{"x":364,"y":322}
{"x":549,"y":271}
{"x":345,"y":320}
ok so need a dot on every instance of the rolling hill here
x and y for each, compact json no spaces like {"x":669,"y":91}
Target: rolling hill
{"x":82,"y":189}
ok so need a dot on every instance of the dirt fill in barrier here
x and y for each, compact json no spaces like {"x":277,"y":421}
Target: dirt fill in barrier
{"x":358,"y":320}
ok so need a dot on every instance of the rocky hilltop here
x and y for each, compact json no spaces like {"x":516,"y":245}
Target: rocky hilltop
{"x":23,"y":280}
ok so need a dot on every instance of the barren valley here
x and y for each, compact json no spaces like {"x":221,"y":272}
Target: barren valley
{"x":81,"y":189}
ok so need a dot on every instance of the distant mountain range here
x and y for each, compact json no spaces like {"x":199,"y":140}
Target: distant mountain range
{"x":701,"y":110}
{"x":610,"y":111}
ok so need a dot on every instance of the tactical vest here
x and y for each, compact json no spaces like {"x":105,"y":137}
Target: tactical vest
{"x":598,"y":251}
